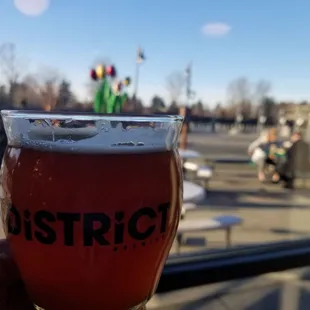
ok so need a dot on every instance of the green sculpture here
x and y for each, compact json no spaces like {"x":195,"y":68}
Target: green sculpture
{"x":110,"y":96}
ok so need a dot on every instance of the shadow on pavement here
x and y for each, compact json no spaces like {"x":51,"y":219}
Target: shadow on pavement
{"x":228,"y":199}
{"x":289,"y":290}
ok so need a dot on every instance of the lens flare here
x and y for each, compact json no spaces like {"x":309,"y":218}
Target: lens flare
{"x":32,"y":7}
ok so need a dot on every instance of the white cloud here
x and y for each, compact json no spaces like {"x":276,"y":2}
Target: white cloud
{"x":32,"y":7}
{"x":216,"y":29}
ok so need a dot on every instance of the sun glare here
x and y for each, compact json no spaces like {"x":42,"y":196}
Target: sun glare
{"x":32,"y":7}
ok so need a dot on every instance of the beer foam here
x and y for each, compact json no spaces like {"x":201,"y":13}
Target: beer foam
{"x":103,"y":137}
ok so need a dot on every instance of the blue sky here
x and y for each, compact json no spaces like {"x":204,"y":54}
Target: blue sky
{"x":267,"y":39}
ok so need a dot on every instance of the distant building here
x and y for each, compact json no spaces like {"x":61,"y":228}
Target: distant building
{"x":293,"y":111}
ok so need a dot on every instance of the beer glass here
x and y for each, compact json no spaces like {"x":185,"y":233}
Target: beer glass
{"x":90,"y":205}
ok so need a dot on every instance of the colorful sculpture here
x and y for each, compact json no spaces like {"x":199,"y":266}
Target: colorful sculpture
{"x":110,"y":96}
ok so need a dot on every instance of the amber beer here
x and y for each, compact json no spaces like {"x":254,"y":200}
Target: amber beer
{"x":90,"y":230}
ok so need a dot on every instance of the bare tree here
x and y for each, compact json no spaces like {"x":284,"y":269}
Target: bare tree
{"x":49,"y":83}
{"x":239,"y":96}
{"x":42,"y":88}
{"x":11,"y":67}
{"x":8,"y":62}
{"x":261,"y":92}
{"x":239,"y":90}
{"x":175,"y":85}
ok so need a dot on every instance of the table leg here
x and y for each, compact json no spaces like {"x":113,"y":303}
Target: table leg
{"x":179,"y":242}
{"x":228,"y":237}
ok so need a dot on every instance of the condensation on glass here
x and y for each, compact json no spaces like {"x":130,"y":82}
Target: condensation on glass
{"x":91,"y":133}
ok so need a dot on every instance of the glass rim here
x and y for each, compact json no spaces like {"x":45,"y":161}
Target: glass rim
{"x":90,"y":116}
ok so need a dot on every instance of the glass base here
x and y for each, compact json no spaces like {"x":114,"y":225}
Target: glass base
{"x":140,"y":307}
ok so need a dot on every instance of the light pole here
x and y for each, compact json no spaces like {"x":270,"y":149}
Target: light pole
{"x":185,"y":110}
{"x":139,"y":60}
{"x":136,"y":80}
{"x":188,"y":73}
{"x":190,"y":94}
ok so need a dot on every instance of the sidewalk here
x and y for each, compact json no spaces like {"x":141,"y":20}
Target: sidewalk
{"x":289,"y":290}
{"x":270,"y":213}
